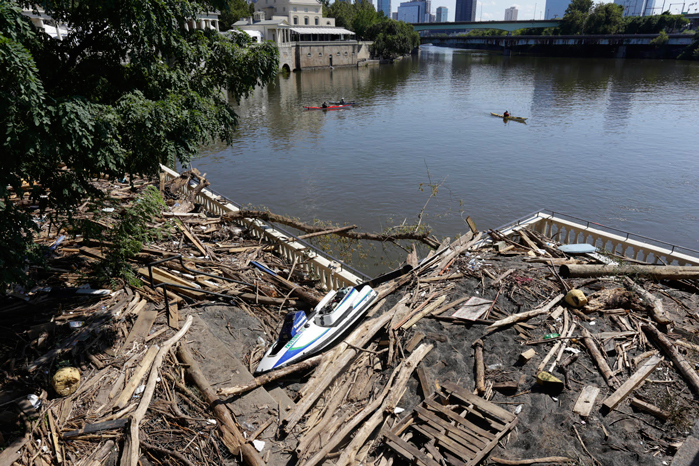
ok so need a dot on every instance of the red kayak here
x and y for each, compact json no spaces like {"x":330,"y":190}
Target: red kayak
{"x":330,"y":107}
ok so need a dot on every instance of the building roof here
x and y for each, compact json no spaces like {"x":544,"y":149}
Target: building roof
{"x":319,"y":30}
{"x":264,"y":22}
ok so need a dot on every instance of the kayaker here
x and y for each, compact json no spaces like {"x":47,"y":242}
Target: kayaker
{"x":506,"y":114}
{"x":342,"y":101}
{"x":325,"y":105}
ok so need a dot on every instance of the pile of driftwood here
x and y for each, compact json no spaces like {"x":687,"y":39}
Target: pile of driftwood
{"x":458,"y":362}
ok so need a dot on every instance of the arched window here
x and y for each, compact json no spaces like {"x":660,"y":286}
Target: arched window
{"x":305,"y":20}
{"x":316,"y":21}
{"x":296,"y":20}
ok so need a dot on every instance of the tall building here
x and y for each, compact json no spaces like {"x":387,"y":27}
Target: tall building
{"x":394,"y":15}
{"x":555,"y":9}
{"x":466,"y":10}
{"x":442,"y":14}
{"x":415,"y":11}
{"x":385,"y":6}
{"x":511,"y":14}
{"x":634,"y":7}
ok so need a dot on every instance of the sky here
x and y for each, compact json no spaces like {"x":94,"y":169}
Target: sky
{"x":490,"y":10}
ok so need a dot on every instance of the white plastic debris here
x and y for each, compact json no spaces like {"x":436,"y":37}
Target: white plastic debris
{"x":593,"y":322}
{"x":398,"y":410}
{"x":34,"y":400}
{"x":259,"y":445}
{"x":211,"y":421}
{"x":554,"y":399}
{"x":570,"y":349}
{"x":140,"y":389}
{"x":108,"y":209}
{"x":76,"y":323}
{"x":518,"y":409}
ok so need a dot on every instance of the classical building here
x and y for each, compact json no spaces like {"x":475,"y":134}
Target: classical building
{"x":385,"y":6}
{"x":466,"y":10}
{"x":511,"y":14}
{"x":442,"y":14}
{"x":415,"y":11}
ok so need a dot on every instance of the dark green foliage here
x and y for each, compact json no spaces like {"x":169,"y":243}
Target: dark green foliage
{"x":127,"y":89}
{"x":606,"y":18}
{"x":692,"y":51}
{"x":392,"y":38}
{"x":580,"y":6}
{"x":129,"y":234}
{"x":356,"y":17}
{"x":654,"y":24}
{"x":237,"y":10}
{"x":486,"y":32}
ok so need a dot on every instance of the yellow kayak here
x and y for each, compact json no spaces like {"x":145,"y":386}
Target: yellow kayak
{"x":509,"y":117}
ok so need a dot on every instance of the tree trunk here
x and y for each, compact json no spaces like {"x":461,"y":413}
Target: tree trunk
{"x":656,"y":272}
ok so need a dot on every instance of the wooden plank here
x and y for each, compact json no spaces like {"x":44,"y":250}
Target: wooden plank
{"x":54,"y":438}
{"x":419,"y":315}
{"x":460,"y":419}
{"x":135,"y":380}
{"x":425,"y":383}
{"x":447,"y":443}
{"x":484,"y":452}
{"x":634,"y":381}
{"x":162,"y":276}
{"x":414,"y":341}
{"x":405,"y":447}
{"x":586,"y":400}
{"x":649,"y":408}
{"x":434,"y":419}
{"x":432,"y":450}
{"x":195,"y":241}
{"x":173,"y":316}
{"x":486,"y":406}
{"x":140,"y":329}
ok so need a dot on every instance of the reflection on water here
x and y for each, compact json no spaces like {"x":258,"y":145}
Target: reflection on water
{"x":614,"y":141}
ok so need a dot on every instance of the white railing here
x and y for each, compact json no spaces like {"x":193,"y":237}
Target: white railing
{"x":570,"y":230}
{"x":332,"y":274}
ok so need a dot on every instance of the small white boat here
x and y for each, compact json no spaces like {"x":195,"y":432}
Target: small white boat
{"x":302,"y":336}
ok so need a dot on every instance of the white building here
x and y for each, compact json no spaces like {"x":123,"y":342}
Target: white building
{"x":511,"y":14}
{"x":295,"y":12}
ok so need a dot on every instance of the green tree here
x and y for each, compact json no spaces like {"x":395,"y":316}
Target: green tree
{"x":575,"y":17}
{"x":237,"y":10}
{"x":365,"y":15}
{"x":606,"y":18}
{"x":692,"y":50}
{"x":582,"y":6}
{"x":127,"y":89}
{"x":392,"y":38}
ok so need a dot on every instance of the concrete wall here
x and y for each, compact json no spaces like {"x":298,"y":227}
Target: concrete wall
{"x":310,"y":55}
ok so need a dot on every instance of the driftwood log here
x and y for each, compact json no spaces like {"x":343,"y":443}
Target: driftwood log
{"x":130,"y":455}
{"x":604,"y":368}
{"x":657,"y":311}
{"x":270,"y":377}
{"x":655,"y":272}
{"x":308,"y":228}
{"x":230,"y":435}
{"x":480,"y":367}
{"x":524,"y":315}
{"x":685,"y":368}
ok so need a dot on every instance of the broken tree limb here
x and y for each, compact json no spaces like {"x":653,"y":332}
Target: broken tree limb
{"x":599,"y":359}
{"x":524,"y":315}
{"x":270,"y":376}
{"x":655,"y":272}
{"x":387,"y":407}
{"x":328,"y":232}
{"x":656,"y":305}
{"x":308,"y":228}
{"x":340,"y":356}
{"x":130,"y":455}
{"x":649,"y":408}
{"x":548,"y":459}
{"x":230,"y":434}
{"x":480,"y":367}
{"x":685,"y":368}
{"x":632,"y":383}
{"x":143,"y":368}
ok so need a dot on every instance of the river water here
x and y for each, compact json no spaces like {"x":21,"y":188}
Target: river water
{"x":611,"y":141}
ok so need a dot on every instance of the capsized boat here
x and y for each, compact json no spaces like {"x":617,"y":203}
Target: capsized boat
{"x":330,"y":107}
{"x":337,"y":313}
{"x":509,"y":117}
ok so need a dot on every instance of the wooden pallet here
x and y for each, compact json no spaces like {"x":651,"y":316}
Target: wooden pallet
{"x":452,"y":425}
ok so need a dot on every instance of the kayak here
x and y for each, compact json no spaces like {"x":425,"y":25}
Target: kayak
{"x":509,"y":117}
{"x":346,"y":103}
{"x":331,"y":107}
{"x":338,"y":312}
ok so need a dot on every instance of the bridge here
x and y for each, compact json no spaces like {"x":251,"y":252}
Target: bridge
{"x":502,"y":25}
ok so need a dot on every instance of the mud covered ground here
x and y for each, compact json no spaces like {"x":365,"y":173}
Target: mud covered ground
{"x":547,"y":425}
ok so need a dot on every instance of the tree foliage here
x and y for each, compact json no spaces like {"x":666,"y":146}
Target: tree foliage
{"x":392,"y":38}
{"x":692,"y":51}
{"x":128,"y":88}
{"x":237,"y":10}
{"x":606,"y":18}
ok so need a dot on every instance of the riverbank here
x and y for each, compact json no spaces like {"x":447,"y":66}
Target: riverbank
{"x":416,"y":343}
